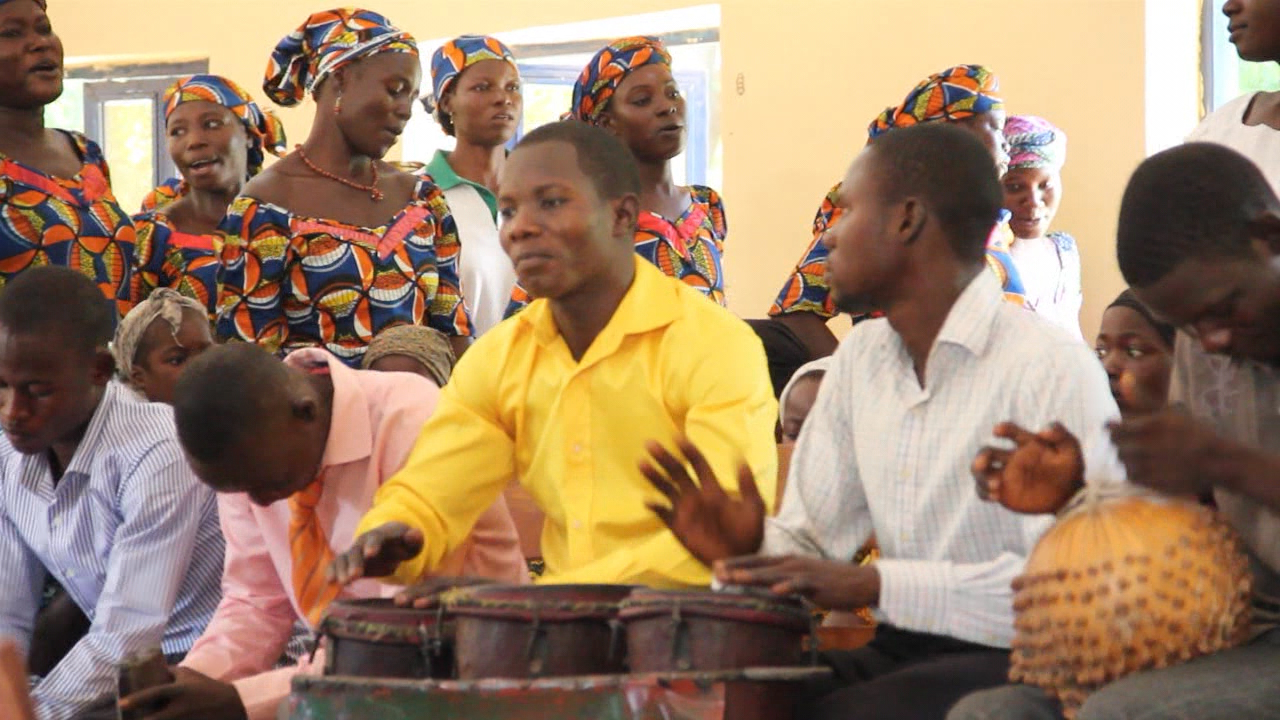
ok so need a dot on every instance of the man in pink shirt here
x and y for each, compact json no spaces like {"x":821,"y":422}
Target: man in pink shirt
{"x":294,"y":449}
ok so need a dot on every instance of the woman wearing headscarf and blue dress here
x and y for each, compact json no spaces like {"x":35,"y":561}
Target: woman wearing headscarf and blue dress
{"x":967,"y":95}
{"x":476,"y":97}
{"x":331,"y":245}
{"x":627,"y":88}
{"x":1048,"y":260}
{"x":217,"y":137}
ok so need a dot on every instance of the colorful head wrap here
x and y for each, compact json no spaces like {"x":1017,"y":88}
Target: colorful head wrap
{"x":265,"y":130}
{"x":457,"y":55}
{"x":162,"y":304}
{"x":427,"y":345}
{"x":606,"y":71}
{"x":953,"y":94}
{"x":325,"y":42}
{"x":1035,"y":143}
{"x":1131,"y":301}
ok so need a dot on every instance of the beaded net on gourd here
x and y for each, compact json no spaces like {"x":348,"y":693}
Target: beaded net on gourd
{"x":1126,"y":582}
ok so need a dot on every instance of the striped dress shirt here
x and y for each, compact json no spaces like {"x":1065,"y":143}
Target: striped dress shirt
{"x":879,"y":453}
{"x":129,"y":531}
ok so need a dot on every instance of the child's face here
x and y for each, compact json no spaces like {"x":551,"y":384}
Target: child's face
{"x":47,"y":393}
{"x":161,"y":355}
{"x":799,"y":403}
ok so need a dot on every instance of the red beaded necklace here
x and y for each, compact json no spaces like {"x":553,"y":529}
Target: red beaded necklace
{"x":372,"y":188}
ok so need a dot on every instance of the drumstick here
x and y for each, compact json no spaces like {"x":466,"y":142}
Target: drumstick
{"x":14,"y":697}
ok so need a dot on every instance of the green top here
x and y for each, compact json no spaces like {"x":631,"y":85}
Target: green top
{"x":442,"y":173}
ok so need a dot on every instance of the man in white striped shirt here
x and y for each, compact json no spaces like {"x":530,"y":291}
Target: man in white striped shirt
{"x":95,"y":491}
{"x":906,"y":405}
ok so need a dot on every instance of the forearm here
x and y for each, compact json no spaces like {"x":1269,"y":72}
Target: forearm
{"x":1245,"y":471}
{"x":970,"y":601}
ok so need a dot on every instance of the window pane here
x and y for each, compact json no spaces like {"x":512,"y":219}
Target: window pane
{"x":1257,"y":77}
{"x":67,"y":112}
{"x":130,"y":148}
{"x":545,"y":103}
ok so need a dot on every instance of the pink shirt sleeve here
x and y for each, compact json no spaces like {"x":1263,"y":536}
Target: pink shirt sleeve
{"x":252,"y":624}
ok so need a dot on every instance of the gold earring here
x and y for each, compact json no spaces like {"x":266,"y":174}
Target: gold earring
{"x":337,"y":106}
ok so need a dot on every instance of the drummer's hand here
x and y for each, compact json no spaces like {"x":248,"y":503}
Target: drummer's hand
{"x":828,"y":584}
{"x":710,"y":523}
{"x":191,"y":696}
{"x":1039,"y":475}
{"x":376,"y":553}
{"x":1168,"y":451}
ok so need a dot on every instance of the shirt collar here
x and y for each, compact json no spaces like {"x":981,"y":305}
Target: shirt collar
{"x":652,"y":302}
{"x":441,"y":172}
{"x":87,"y":448}
{"x":350,"y":432}
{"x":969,"y":322}
{"x":444,"y":176}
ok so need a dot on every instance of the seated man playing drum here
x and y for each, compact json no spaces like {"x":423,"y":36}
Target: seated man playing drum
{"x":903,"y":409}
{"x":296,"y":451}
{"x":564,"y":395}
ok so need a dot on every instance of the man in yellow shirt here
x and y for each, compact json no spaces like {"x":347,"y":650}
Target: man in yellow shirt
{"x":565,"y":395}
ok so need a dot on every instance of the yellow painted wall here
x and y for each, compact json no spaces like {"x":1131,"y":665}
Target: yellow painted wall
{"x":814,"y":72}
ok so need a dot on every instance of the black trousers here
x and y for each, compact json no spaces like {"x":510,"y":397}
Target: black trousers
{"x":903,"y":675}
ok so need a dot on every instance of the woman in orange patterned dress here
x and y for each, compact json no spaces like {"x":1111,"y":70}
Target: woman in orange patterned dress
{"x":218,"y":137}
{"x":628,"y":89}
{"x":56,"y":204}
{"x":331,"y":245}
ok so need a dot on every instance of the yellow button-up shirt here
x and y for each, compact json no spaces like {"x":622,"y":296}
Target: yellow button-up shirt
{"x":573,"y":432}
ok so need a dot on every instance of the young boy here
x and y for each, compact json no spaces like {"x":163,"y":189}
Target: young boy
{"x":333,"y":436}
{"x":95,"y":492}
{"x":564,"y":395}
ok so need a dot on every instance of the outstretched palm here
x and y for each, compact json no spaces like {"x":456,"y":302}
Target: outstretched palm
{"x":709,"y":522}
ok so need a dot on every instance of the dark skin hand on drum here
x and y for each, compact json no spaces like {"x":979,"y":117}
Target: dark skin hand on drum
{"x":191,"y":696}
{"x":1041,"y":473}
{"x":710,"y":523}
{"x":376,"y":553}
{"x":829,"y":584}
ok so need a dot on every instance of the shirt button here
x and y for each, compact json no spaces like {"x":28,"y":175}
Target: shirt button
{"x":57,"y":523}
{"x":70,"y":572}
{"x":577,"y":524}
{"x":577,"y":448}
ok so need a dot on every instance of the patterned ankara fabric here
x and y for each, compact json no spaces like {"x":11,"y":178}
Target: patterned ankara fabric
{"x":325,"y":42}
{"x":289,"y":281}
{"x":73,"y":222}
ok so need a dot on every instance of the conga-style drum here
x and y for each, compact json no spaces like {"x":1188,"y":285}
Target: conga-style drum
{"x":375,"y":638}
{"x":675,"y":630}
{"x":701,"y":630}
{"x":521,"y":631}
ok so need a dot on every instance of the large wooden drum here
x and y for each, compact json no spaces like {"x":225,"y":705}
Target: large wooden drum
{"x":703,"y":630}
{"x":521,"y":631}
{"x":374,"y":638}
